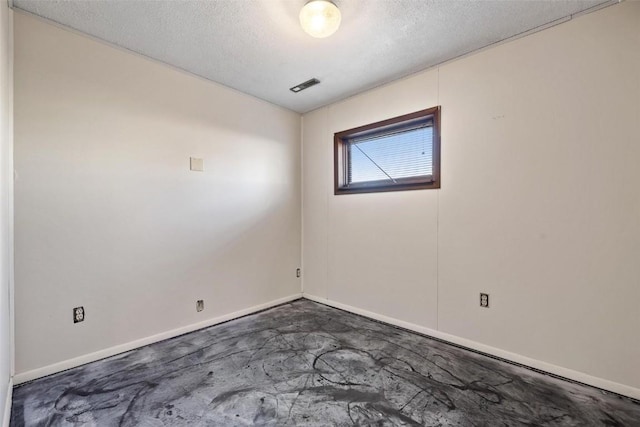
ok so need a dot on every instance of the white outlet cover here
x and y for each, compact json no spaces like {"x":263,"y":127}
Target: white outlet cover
{"x":196,"y":164}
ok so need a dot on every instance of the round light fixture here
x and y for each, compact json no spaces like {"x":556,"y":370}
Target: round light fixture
{"x":320,"y":18}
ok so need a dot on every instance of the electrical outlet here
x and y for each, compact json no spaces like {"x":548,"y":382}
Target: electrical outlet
{"x":484,"y":300}
{"x":78,"y":314}
{"x":200,"y":305}
{"x":298,"y":272}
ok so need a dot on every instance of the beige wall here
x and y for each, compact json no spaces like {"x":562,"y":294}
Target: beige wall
{"x":6,"y":210}
{"x":108,"y":215}
{"x":539,"y":205}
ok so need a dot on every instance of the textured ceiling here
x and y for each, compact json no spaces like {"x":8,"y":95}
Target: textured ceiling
{"x":258,"y":47}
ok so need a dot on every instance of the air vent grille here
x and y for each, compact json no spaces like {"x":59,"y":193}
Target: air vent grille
{"x":305,"y":85}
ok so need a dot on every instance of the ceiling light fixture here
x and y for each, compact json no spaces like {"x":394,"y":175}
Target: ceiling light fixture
{"x":320,"y":18}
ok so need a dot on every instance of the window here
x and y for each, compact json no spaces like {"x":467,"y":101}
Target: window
{"x":402,"y":153}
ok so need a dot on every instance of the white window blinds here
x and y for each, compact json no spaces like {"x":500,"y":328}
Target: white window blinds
{"x":406,"y":153}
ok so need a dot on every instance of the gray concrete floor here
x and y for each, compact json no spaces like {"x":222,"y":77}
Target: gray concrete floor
{"x":303,"y":363}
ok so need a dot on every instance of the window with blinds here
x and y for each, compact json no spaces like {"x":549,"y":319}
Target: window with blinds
{"x":402,"y":153}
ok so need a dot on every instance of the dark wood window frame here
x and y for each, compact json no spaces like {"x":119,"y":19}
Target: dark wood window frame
{"x":341,"y":152}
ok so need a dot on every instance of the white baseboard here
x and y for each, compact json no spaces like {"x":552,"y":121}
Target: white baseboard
{"x":503,"y":354}
{"x":112,"y":351}
{"x":6,"y":419}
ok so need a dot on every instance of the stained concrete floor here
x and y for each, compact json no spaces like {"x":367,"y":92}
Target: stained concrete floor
{"x":303,"y":363}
